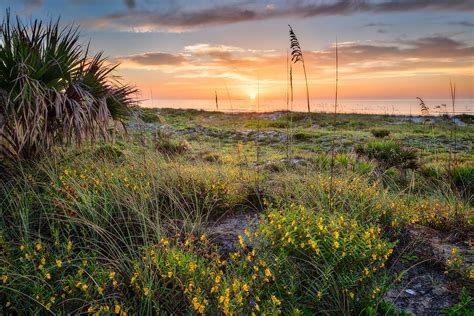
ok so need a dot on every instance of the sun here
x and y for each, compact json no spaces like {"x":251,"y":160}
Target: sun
{"x":252,"y":95}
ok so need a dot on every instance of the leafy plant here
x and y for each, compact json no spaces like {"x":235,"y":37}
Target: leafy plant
{"x":52,"y":91}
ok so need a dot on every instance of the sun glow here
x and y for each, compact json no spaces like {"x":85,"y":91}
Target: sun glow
{"x":252,"y":94}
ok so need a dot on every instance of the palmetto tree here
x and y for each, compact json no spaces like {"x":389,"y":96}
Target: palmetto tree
{"x":52,"y":91}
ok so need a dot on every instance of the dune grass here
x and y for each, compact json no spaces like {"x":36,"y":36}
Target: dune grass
{"x":123,"y":230}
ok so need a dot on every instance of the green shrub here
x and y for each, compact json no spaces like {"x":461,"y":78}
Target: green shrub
{"x":392,"y":173}
{"x":171,"y":146}
{"x":110,"y":152}
{"x":342,"y":160}
{"x":211,"y":157}
{"x":380,"y":133}
{"x":364,"y":167}
{"x":150,"y":116}
{"x":389,"y":153}
{"x":466,"y":118}
{"x":303,"y":136}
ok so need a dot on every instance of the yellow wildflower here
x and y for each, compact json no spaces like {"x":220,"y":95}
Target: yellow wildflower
{"x":275,"y":300}
{"x":268,"y":273}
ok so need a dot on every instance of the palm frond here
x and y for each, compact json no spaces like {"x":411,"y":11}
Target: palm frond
{"x":52,"y":91}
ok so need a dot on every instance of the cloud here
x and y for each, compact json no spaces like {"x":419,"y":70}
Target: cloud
{"x":30,"y":5}
{"x":215,"y":51}
{"x":376,"y":24}
{"x":429,"y":53}
{"x":32,"y":2}
{"x":130,"y":3}
{"x":152,"y":59}
{"x":463,"y":23}
{"x":436,"y":55}
{"x":181,"y":19}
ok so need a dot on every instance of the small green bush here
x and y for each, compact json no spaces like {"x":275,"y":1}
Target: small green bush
{"x":343,"y":160}
{"x":110,"y":152}
{"x":389,"y":153}
{"x":211,"y":157}
{"x":380,"y":133}
{"x":171,"y":146}
{"x":363,"y":167}
{"x":303,"y":136}
{"x":149,"y":116}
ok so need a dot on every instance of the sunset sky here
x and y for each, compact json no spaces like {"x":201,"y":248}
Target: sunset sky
{"x":188,"y":49}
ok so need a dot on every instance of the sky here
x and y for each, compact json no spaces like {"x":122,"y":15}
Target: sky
{"x":388,"y":49}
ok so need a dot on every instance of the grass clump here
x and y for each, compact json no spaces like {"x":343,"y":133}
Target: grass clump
{"x":380,"y":133}
{"x":462,"y":177}
{"x":389,"y":153}
{"x":150,"y":116}
{"x":303,"y":136}
{"x":110,"y":152}
{"x":170,"y":146}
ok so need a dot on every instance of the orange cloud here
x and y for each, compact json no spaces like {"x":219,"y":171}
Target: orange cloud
{"x":366,"y":69}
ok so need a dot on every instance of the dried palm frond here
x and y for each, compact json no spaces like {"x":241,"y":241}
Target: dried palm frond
{"x":51,"y":91}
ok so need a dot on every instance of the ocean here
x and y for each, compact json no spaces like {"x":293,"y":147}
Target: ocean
{"x":362,"y":106}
